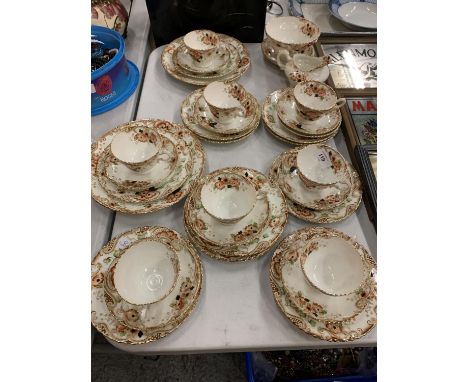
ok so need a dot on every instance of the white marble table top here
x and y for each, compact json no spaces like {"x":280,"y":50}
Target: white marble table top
{"x":236,"y":311}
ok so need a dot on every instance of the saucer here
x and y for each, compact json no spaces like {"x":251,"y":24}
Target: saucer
{"x":176,"y":133}
{"x":316,"y":198}
{"x":358,"y":15}
{"x":182,"y":170}
{"x":274,"y":125}
{"x":238,"y":63}
{"x":341,"y":212}
{"x":155,"y":176}
{"x":292,"y":118}
{"x":335,"y":331}
{"x":308,"y":299}
{"x":172,"y":311}
{"x":212,"y":232}
{"x":270,"y":50}
{"x":183,"y":59}
{"x":205,"y":118}
{"x":257,"y":245}
{"x":187,"y":112}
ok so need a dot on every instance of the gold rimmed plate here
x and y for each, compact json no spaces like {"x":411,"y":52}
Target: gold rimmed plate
{"x":184,"y":304}
{"x":339,"y":213}
{"x":187,"y":112}
{"x":168,"y":129}
{"x":334,"y":331}
{"x":233,"y":70}
{"x":274,"y":125}
{"x":256,"y":245}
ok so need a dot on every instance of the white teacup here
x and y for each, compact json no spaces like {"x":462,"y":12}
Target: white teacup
{"x":313,"y":99}
{"x":201,"y":45}
{"x":316,"y":168}
{"x":333,"y":266}
{"x":225,"y":100}
{"x":136,"y":148}
{"x":146,"y":272}
{"x":228,"y":197}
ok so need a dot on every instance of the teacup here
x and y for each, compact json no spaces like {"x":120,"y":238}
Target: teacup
{"x":136,"y":148}
{"x":294,"y":34}
{"x":201,"y":44}
{"x":298,"y":68}
{"x":333,"y":266}
{"x":226,"y":100}
{"x":228,"y":197}
{"x":318,"y":168}
{"x":313,"y":99}
{"x":146,"y":272}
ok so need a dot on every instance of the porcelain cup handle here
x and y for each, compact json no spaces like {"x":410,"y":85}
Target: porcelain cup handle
{"x":342,"y":186}
{"x":339,"y":103}
{"x":283,"y":58}
{"x":261,"y":195}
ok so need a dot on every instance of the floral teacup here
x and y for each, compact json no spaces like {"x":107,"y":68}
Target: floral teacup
{"x":321,"y":167}
{"x":228,"y":197}
{"x":226,"y":100}
{"x":201,"y":44}
{"x":136,"y":148}
{"x":313,"y":99}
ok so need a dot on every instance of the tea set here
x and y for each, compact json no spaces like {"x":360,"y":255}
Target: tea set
{"x":146,"y":281}
{"x":222,"y":112}
{"x":325,"y":283}
{"x":144,"y":166}
{"x":203,"y":56}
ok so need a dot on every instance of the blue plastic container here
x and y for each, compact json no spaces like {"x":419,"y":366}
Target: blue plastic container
{"x":115,"y":81}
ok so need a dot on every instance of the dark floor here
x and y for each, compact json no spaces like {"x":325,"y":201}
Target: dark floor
{"x":228,"y":367}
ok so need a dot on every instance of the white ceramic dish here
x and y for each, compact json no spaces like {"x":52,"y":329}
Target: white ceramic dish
{"x":361,"y":14}
{"x":146,"y":272}
{"x":228,"y":197}
{"x":302,"y":67}
{"x":334,"y":266}
{"x":292,"y":31}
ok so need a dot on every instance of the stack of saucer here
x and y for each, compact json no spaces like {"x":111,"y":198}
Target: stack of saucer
{"x":222,"y":112}
{"x":291,"y":34}
{"x":325,"y":284}
{"x":144,"y":166}
{"x":319,"y":184}
{"x":307,"y":113}
{"x":203,"y":56}
{"x":235,"y":214}
{"x":145,"y":283}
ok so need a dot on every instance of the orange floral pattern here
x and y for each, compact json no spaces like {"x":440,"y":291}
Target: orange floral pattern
{"x":224,"y":182}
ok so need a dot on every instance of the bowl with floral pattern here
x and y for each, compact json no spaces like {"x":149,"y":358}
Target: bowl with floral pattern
{"x":334,"y":266}
{"x":146,"y":272}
